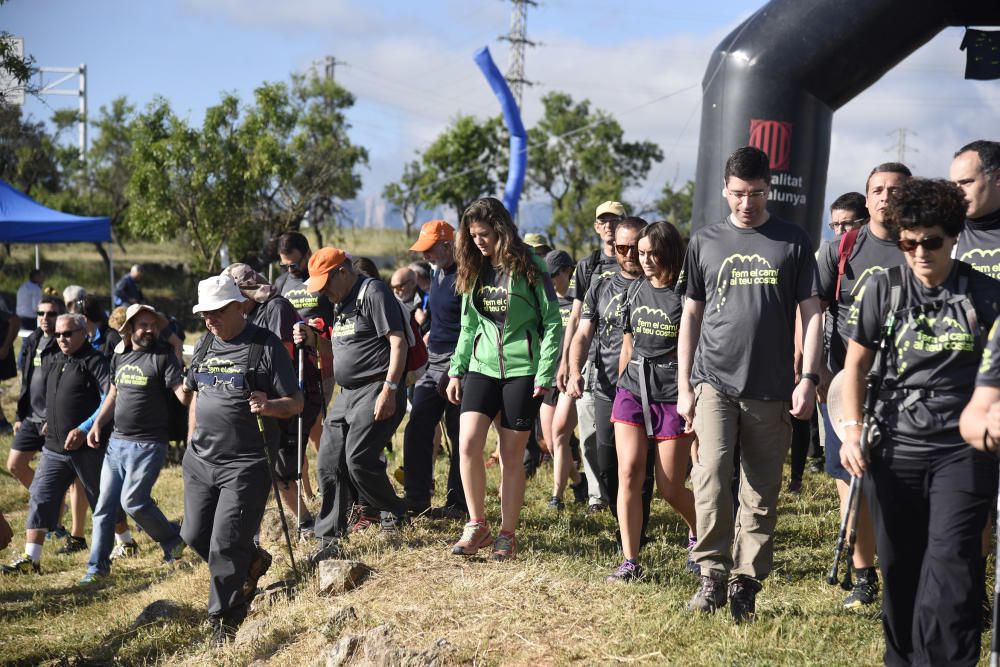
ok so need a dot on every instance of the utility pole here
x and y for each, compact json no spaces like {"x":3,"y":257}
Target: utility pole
{"x":518,"y":41}
{"x":901,"y":148}
{"x":329,"y":68}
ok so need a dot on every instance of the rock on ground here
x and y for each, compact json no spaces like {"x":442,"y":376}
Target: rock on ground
{"x":376,"y":647}
{"x":340,"y":576}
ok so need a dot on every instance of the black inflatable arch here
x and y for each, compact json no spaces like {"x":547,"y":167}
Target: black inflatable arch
{"x":775,"y":81}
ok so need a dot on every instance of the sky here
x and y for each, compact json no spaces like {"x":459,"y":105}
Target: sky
{"x":410,"y":66}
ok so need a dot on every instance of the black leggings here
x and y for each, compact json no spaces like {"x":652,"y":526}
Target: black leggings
{"x":511,"y":398}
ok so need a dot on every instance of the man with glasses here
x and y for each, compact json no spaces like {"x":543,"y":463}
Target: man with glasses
{"x":976,"y":171}
{"x":845,"y":268}
{"x":847,"y":212}
{"x":602,"y":263}
{"x":28,"y":436}
{"x":744,"y":278}
{"x":144,"y":370}
{"x":242,"y":379}
{"x":76,"y":381}
{"x":601,"y":323}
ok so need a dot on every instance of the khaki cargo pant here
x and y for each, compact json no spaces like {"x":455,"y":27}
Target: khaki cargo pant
{"x":740,"y":544}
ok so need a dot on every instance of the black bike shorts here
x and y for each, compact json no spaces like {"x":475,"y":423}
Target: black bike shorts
{"x":510,"y":397}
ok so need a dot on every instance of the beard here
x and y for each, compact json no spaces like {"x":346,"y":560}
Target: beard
{"x":144,"y":341}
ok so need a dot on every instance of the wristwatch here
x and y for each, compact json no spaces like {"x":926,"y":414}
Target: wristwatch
{"x":812,"y":377}
{"x":391,"y":385}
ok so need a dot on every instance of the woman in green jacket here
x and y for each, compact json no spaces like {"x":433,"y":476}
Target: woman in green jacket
{"x":504,"y":363}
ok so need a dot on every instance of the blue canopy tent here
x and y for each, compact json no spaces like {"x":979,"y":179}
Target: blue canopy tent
{"x":23,"y":220}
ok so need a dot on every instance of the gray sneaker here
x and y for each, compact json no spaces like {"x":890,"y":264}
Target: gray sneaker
{"x":711,"y":595}
{"x":743,"y":598}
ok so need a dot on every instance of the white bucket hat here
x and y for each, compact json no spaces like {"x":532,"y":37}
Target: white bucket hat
{"x":217,"y":292}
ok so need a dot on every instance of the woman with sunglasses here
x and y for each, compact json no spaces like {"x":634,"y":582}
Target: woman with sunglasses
{"x":504,"y":363}
{"x":920,"y":327}
{"x":645,"y":407}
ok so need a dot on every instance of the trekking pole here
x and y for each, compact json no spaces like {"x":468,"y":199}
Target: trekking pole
{"x":834,"y":578}
{"x":277,"y":496}
{"x":298,"y":453}
{"x":994,"y":643}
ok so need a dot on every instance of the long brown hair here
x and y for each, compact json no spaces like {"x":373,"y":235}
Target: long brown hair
{"x":667,"y":246}
{"x":511,"y":253}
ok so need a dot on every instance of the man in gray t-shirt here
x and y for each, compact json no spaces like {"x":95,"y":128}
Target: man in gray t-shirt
{"x":976,"y":170}
{"x":242,"y":380}
{"x":369,"y":360}
{"x":744,"y":277}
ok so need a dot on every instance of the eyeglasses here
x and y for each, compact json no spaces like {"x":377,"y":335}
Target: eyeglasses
{"x":929,"y":243}
{"x":65,"y":334}
{"x":291,"y":266}
{"x":847,"y":224}
{"x":46,"y":313}
{"x":756,"y":194}
{"x":625,"y":250}
{"x":607,"y":221}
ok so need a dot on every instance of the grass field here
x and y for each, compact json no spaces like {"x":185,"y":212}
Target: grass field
{"x":550,"y":606}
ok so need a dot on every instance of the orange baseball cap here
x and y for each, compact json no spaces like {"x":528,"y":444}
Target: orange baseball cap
{"x":322,"y":262}
{"x":431,"y":233}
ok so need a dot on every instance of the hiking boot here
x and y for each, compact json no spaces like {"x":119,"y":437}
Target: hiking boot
{"x":504,"y":547}
{"x":23,"y":565}
{"x":743,"y":598}
{"x":59,"y":533}
{"x":556,"y":504}
{"x":475,"y":536}
{"x":73,"y":544}
{"x":329,"y":549}
{"x":580,"y":491}
{"x":596,"y":508}
{"x":711,"y":595}
{"x":629,"y":570}
{"x":392,"y":523}
{"x":222,"y":632}
{"x":175,"y":553}
{"x":258,"y":566}
{"x":92,"y":578}
{"x":816,"y":466}
{"x":691,"y":566}
{"x":865,"y":589}
{"x":795,"y":486}
{"x":307,"y":527}
{"x":124,"y":550}
{"x":363,"y":522}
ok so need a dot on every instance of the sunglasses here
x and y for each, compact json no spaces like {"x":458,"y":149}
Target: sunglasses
{"x":625,"y":250}
{"x":46,"y":313}
{"x":929,"y":243}
{"x":292,"y":266}
{"x":65,"y":334}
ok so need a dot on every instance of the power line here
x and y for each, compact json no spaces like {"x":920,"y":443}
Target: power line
{"x":901,"y":148}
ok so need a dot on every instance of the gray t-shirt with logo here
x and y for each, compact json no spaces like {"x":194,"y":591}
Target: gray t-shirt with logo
{"x":869,"y":256}
{"x":751,"y":281}
{"x":360,"y":346}
{"x":579,"y":285}
{"x":933,"y":350}
{"x":603,"y":306}
{"x":226,"y":431}
{"x":979,"y":244}
{"x":652,"y":315}
{"x":143,"y":379}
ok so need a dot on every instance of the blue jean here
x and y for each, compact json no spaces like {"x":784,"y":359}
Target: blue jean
{"x":127,"y":478}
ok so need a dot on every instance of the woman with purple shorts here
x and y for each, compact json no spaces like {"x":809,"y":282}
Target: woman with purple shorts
{"x":645,"y":408}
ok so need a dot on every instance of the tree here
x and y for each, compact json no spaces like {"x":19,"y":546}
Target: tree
{"x":578,"y":157}
{"x":466,"y":161}
{"x":405,"y":195}
{"x":675,"y":205}
{"x":249,"y":173}
{"x":28,"y":154}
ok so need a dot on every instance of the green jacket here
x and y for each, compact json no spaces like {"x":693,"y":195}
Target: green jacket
{"x":528,"y":342}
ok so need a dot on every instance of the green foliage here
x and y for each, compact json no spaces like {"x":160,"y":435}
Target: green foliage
{"x":28,"y":154}
{"x":467,"y":160}
{"x":675,"y":205}
{"x":249,"y":173}
{"x":20,"y":68}
{"x":578,"y":156}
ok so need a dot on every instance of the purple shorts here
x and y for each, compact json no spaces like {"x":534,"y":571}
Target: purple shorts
{"x":627,"y":409}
